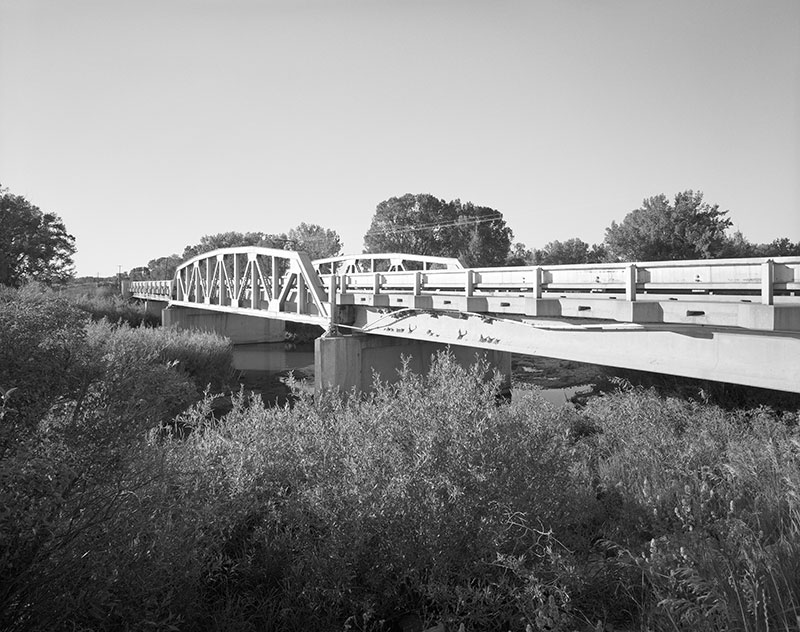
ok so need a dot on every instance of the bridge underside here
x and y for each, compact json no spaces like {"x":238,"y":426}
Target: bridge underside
{"x":724,"y":354}
{"x":765,"y":358}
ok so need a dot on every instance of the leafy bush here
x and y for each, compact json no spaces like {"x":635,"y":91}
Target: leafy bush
{"x":41,"y":340}
{"x":83,"y":492}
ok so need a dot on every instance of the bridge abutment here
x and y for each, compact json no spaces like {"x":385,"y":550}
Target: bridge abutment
{"x":348,"y":362}
{"x":239,"y":328}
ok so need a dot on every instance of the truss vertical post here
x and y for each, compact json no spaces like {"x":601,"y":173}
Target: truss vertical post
{"x":301,"y":292}
{"x":221,"y":287}
{"x":236,"y":281}
{"x":253,"y":264}
{"x":274,"y":279}
{"x":332,"y":297}
{"x":196,"y":275}
{"x":207,"y":284}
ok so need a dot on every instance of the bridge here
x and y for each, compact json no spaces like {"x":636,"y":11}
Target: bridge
{"x":729,"y":320}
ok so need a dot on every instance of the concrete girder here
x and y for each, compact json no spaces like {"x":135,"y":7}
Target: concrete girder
{"x":762,"y":359}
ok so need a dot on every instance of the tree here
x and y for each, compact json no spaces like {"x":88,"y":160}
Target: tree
{"x":164,"y":267}
{"x":33,"y":245}
{"x":519,"y":255}
{"x":425,"y":225}
{"x":230,"y":239}
{"x":317,"y":242}
{"x":563,"y":252}
{"x":312,"y":239}
{"x":688,"y":228}
{"x":737,"y":246}
{"x":142,"y":273}
{"x":781,"y":247}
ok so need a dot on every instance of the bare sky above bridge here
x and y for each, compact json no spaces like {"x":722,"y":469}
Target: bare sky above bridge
{"x":148,"y":124}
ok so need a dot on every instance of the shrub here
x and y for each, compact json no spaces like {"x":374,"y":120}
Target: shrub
{"x":90,"y":534}
{"x":369,"y":509}
{"x":41,"y":339}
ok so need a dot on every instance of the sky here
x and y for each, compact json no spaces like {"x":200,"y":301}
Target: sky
{"x":147,"y":124}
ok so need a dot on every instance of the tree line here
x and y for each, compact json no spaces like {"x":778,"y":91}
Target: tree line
{"x":35,"y":245}
{"x":683,"y":228}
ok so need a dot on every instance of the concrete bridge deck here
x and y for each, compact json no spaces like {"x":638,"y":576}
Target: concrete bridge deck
{"x":735,"y":320}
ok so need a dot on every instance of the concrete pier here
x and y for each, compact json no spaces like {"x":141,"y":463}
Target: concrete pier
{"x":349,"y":362}
{"x":239,"y":328}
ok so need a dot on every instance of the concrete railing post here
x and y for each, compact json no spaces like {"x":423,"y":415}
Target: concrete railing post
{"x":469,"y":282}
{"x":537,"y":282}
{"x":767,"y":282}
{"x":417,"y":283}
{"x":630,"y":282}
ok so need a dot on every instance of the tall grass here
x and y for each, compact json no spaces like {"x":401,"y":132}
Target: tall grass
{"x":703,"y":503}
{"x":116,"y":309}
{"x":205,"y":358}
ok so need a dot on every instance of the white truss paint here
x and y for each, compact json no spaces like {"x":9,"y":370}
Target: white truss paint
{"x":383,"y":262}
{"x":266,"y":282}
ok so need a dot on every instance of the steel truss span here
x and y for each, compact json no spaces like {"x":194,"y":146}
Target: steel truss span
{"x":735,"y":320}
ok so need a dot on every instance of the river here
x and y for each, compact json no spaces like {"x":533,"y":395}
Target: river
{"x":265,"y":369}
